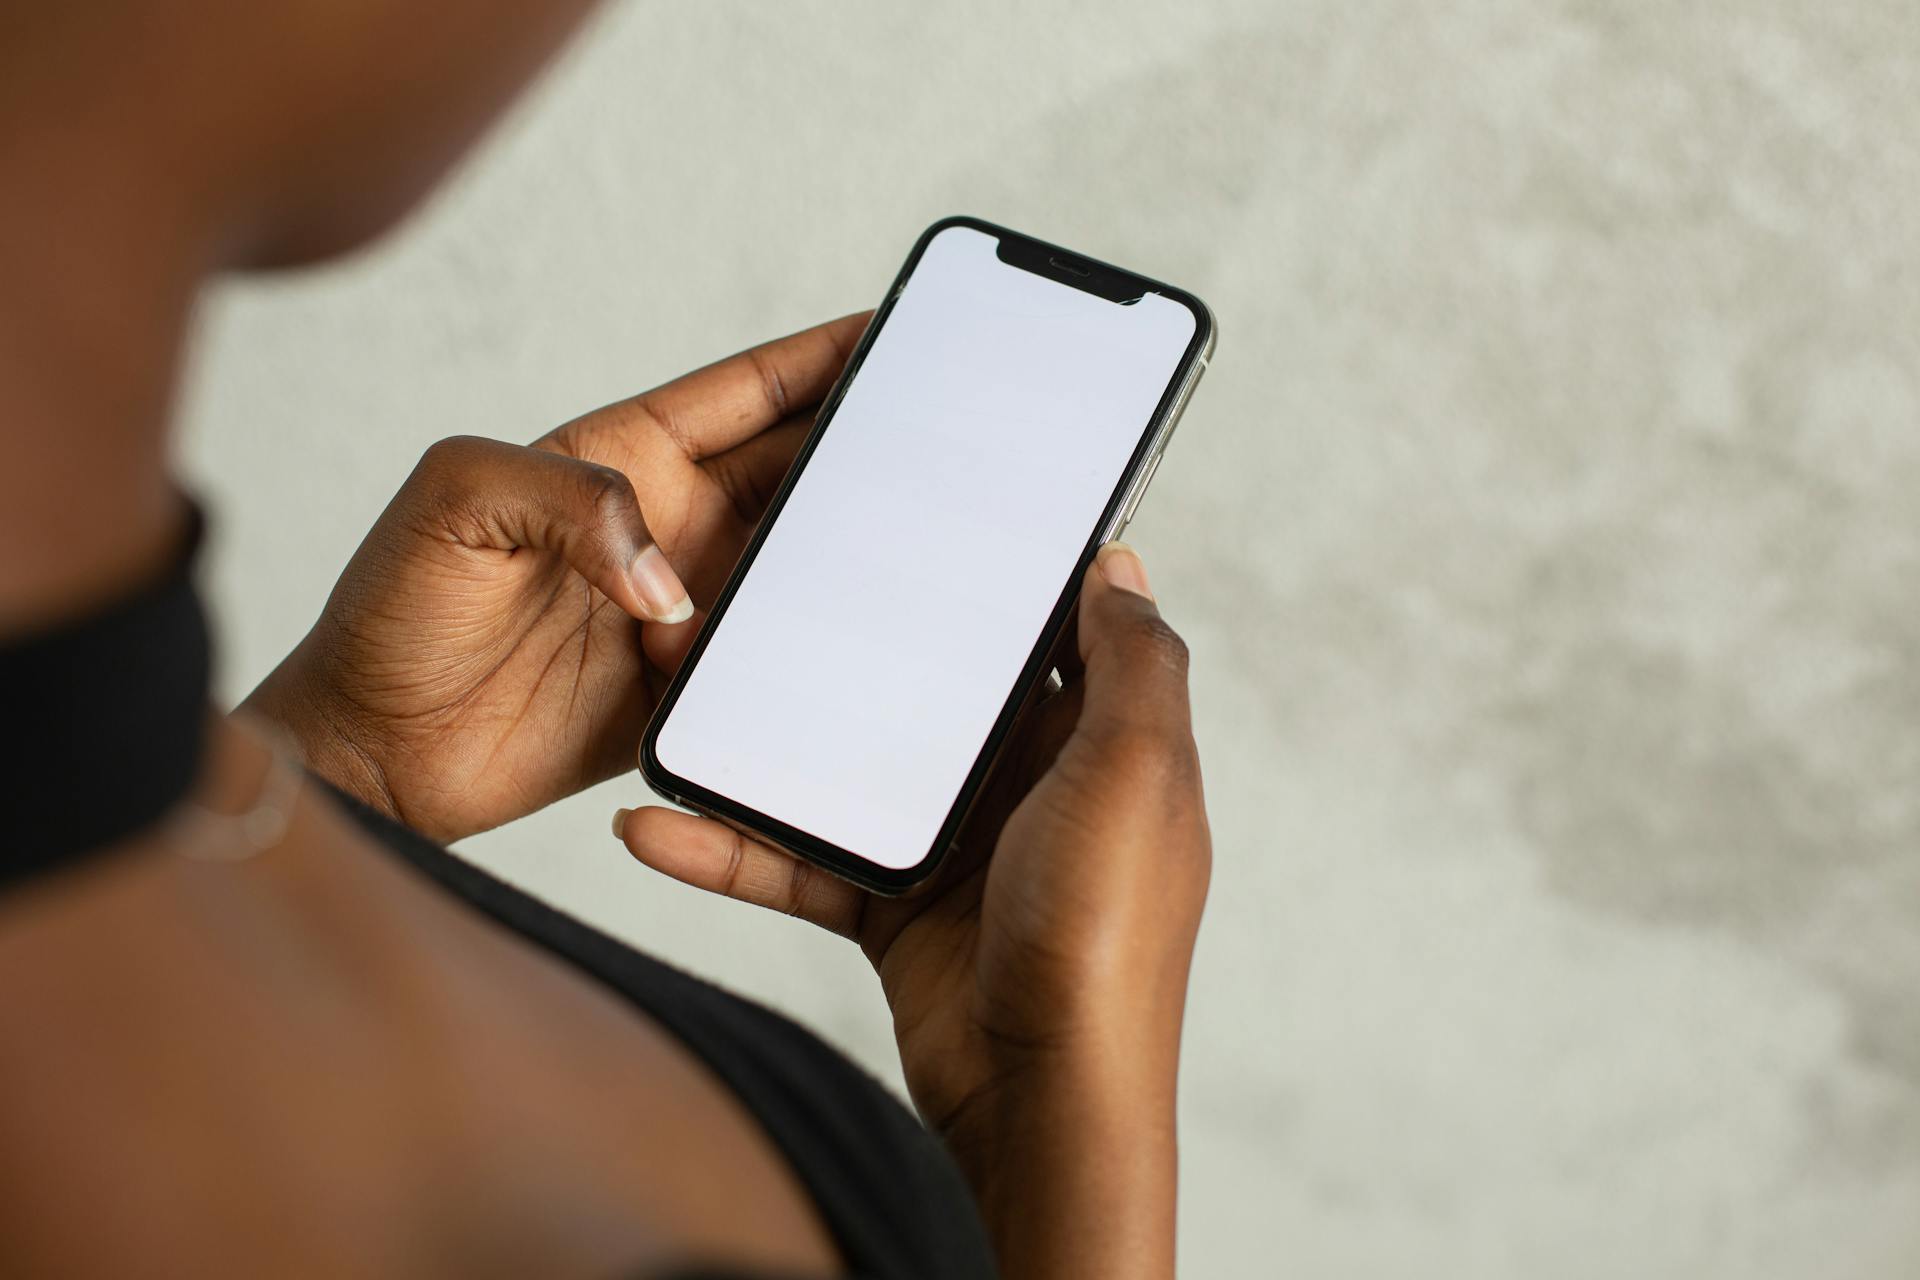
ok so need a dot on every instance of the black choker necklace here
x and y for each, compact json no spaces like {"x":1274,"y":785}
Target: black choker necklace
{"x":106,"y":718}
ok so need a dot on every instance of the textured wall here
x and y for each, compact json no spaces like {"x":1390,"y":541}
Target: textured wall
{"x":1545,"y":533}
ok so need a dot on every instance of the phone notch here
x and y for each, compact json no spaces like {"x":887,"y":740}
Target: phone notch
{"x":1075,"y":272}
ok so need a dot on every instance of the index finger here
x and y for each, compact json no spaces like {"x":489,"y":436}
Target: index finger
{"x":733,"y":400}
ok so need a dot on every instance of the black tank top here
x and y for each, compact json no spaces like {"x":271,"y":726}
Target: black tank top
{"x":122,"y":694}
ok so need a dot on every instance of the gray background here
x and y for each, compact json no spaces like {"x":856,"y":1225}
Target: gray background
{"x":1544,"y":533}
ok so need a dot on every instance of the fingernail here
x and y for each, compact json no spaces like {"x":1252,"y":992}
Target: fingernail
{"x":1121,"y":566}
{"x":620,"y":817}
{"x":659,"y":587}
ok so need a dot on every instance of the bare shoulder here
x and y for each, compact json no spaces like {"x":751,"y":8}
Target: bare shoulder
{"x":317,"y":1057}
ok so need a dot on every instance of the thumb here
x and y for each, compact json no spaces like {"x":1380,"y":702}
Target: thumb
{"x":488,"y":493}
{"x":1135,"y":686}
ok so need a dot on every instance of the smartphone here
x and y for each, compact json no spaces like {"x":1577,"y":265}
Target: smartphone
{"x":996,"y":424}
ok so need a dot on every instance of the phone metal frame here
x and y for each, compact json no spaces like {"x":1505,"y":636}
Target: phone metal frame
{"x":1066,"y":267}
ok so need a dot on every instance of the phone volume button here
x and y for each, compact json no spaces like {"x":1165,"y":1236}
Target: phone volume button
{"x":1180,"y":405}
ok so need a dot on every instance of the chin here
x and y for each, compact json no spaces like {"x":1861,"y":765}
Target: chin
{"x":312,"y":241}
{"x":337,"y":223}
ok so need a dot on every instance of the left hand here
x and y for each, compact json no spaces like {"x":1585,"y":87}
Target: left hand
{"x":500,"y":638}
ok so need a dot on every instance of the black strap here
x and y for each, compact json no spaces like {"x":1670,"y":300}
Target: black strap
{"x":105,"y":718}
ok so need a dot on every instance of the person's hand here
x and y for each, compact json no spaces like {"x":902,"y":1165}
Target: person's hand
{"x":1038,"y":985}
{"x":500,"y":638}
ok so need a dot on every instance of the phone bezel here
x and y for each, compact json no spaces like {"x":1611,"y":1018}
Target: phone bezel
{"x":1034,"y":255}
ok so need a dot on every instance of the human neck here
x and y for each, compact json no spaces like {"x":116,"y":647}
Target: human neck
{"x":102,"y":267}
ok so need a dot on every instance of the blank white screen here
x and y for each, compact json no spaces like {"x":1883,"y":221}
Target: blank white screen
{"x":862,"y":663}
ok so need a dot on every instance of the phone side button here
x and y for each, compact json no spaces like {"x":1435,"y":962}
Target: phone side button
{"x":1139,"y":492}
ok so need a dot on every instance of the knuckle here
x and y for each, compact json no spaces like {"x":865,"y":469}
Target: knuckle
{"x":799,"y":884}
{"x":772,"y":386}
{"x":445,"y":493}
{"x":736,"y":862}
{"x":450,"y":454}
{"x":606,"y":496}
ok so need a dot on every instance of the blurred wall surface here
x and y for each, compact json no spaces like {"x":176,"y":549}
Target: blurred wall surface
{"x":1546,"y":533}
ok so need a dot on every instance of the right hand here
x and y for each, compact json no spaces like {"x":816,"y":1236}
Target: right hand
{"x":500,"y":638}
{"x":1037,"y":994}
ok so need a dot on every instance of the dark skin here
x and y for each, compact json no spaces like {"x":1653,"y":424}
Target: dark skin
{"x":492,"y":648}
{"x":524,"y":554}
